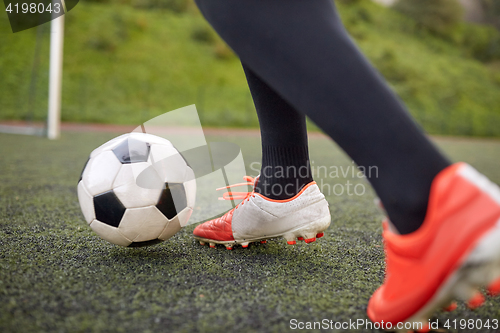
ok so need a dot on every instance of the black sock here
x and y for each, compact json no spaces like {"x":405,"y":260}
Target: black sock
{"x":285,"y":158}
{"x":302,"y":52}
{"x":285,"y":171}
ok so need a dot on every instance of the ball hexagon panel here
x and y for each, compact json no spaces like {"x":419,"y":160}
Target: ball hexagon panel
{"x":141,"y":192}
{"x":108,"y":145}
{"x":171,"y":229}
{"x":86,"y":203}
{"x":142,"y":173}
{"x":100,"y":172}
{"x":132,"y":150}
{"x":108,"y":208}
{"x":83,"y":169}
{"x":184,"y":216}
{"x":168,"y":163}
{"x":109,"y":233}
{"x":172,"y":199}
{"x":142,"y":224}
{"x":190,"y":187}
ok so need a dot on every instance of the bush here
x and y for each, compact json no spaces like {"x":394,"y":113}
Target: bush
{"x":108,"y":31}
{"x":350,"y":2}
{"x":177,"y":6}
{"x":441,"y":17}
{"x":203,"y":34}
{"x":222,"y":51}
{"x":481,"y":42}
{"x":492,"y":9}
{"x":97,"y":1}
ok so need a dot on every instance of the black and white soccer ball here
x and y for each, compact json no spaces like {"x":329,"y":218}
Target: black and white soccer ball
{"x":136,"y":190}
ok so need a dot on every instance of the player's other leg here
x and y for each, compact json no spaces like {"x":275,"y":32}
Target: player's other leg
{"x":286,"y":202}
{"x":448,"y":215}
{"x":454,"y":253}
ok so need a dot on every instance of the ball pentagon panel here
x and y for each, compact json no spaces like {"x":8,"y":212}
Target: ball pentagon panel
{"x":108,"y":208}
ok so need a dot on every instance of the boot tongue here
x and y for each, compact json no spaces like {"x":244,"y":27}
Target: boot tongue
{"x":255,"y":181}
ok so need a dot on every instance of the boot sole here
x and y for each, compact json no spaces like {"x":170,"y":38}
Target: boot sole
{"x":308,"y":233}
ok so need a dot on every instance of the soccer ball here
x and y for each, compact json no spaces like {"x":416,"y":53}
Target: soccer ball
{"x":136,"y":190}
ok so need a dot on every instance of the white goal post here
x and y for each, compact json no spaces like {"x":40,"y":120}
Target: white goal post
{"x":53,"y":123}
{"x":55,"y":77}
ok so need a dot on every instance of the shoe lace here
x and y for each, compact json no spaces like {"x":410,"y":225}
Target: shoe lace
{"x":245,"y":196}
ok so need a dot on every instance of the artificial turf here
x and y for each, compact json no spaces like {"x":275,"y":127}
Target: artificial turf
{"x":57,"y":275}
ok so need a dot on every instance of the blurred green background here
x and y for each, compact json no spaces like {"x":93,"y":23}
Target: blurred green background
{"x":126,"y":61}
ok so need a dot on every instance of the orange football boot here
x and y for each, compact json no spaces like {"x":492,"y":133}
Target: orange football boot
{"x":453,"y":253}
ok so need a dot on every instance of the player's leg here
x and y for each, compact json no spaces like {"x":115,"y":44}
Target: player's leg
{"x":300,"y":49}
{"x":285,"y":159}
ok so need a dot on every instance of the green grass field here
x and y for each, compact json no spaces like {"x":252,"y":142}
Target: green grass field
{"x":56,"y":275}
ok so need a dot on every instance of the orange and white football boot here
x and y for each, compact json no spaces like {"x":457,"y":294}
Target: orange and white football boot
{"x":454,"y":252}
{"x":257,"y":218}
